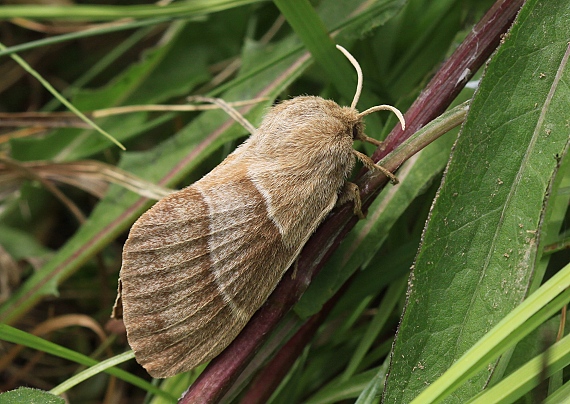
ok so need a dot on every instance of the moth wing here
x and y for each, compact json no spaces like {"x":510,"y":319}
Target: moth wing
{"x":196,"y":267}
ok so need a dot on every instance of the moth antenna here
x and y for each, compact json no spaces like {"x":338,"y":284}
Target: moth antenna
{"x":385,"y":108}
{"x":228,"y":109}
{"x":358,"y":74}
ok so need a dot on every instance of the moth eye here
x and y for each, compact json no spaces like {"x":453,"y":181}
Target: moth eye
{"x":355,"y":132}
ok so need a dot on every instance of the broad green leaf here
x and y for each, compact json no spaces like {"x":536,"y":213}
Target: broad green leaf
{"x":361,"y":245}
{"x":26,"y":395}
{"x":519,"y":323}
{"x":480,"y":248}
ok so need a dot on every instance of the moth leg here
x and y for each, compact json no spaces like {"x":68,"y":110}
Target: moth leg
{"x":351,"y":192}
{"x":368,"y":163}
{"x":295,"y":268}
{"x":228,"y":109}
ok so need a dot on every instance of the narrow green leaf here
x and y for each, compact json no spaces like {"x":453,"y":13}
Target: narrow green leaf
{"x":105,"y":62}
{"x":79,"y":34}
{"x":16,"y":336}
{"x":136,"y":85}
{"x":528,"y":376}
{"x":371,"y":394}
{"x":343,"y":390}
{"x":312,"y":31}
{"x":561,"y":396}
{"x":391,"y":298}
{"x":111,"y":12}
{"x":92,"y":371}
{"x":61,"y":99}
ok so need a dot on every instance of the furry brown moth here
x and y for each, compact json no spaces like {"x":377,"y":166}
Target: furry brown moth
{"x":201,"y":262}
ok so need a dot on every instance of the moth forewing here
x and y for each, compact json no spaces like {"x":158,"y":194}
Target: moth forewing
{"x":201,"y":262}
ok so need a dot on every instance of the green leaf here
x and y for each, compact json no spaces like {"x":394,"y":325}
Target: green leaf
{"x":528,"y":376}
{"x":480,"y":248}
{"x":80,"y":34}
{"x":92,"y":371}
{"x":561,"y":396}
{"x":161,"y":68}
{"x":16,"y":336}
{"x":112,"y":12}
{"x":391,"y":298}
{"x":538,"y":308}
{"x":169,"y":163}
{"x":343,"y":390}
{"x":20,"y":244}
{"x":26,"y":395}
{"x":361,"y":245}
{"x":61,"y":99}
{"x":312,"y":31}
{"x":372,"y":393}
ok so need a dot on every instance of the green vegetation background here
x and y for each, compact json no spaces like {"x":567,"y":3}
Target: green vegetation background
{"x":498,"y":226}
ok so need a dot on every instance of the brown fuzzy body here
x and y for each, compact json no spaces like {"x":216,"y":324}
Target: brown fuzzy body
{"x":201,"y":262}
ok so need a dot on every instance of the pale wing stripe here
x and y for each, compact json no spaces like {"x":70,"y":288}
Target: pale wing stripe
{"x":279,"y":211}
{"x":169,"y":285}
{"x":237,"y":312}
{"x":144,"y":257}
{"x":178,"y":291}
{"x":268,"y":204}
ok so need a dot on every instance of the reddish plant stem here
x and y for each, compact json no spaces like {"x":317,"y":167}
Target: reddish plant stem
{"x":265,"y":383}
{"x":218,"y":377}
{"x":226,"y":367}
{"x":453,"y":74}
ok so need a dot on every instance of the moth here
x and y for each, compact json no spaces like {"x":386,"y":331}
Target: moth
{"x":202,"y":261}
